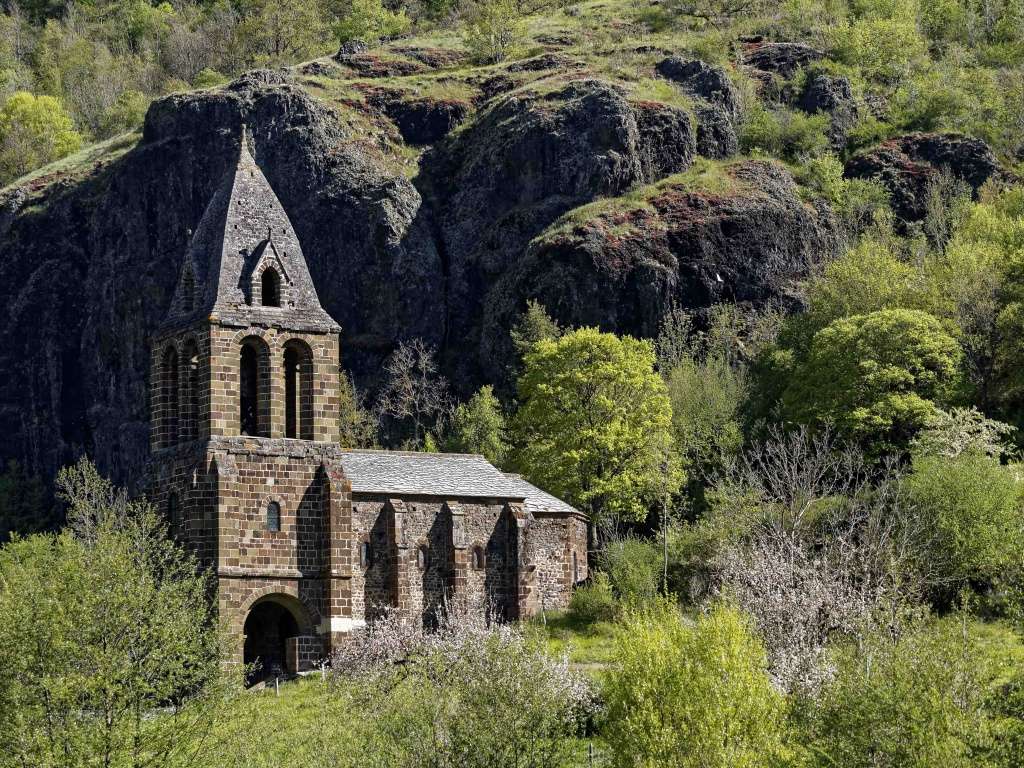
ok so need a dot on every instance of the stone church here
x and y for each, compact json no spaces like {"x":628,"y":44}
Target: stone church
{"x":307,"y":539}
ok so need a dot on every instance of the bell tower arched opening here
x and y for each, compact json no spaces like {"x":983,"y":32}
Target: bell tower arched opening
{"x":298,"y":390}
{"x":168,"y":416}
{"x":254,"y":388}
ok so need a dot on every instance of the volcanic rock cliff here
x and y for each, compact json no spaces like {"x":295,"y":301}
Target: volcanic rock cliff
{"x":495,"y":211}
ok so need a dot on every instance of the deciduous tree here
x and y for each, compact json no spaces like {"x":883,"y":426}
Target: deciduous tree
{"x":594,"y":425}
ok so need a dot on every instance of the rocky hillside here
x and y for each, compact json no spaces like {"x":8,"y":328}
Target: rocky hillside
{"x":432,"y":199}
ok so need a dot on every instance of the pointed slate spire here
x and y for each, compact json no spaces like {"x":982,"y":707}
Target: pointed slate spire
{"x":243,"y":232}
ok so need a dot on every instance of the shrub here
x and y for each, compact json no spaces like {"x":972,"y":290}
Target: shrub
{"x":208,"y":78}
{"x":125,"y":114}
{"x":495,"y":31}
{"x":913,"y":700}
{"x":884,"y":43}
{"x":595,"y":601}
{"x":370,"y":20}
{"x":34,"y":130}
{"x":972,"y":509}
{"x":472,"y":694}
{"x":784,"y":133}
{"x":633,"y":566}
{"x":683,"y":694}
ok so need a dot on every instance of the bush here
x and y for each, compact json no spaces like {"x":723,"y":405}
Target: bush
{"x":595,"y":601}
{"x":916,"y":700}
{"x":495,"y":31}
{"x":467,"y":694}
{"x":370,"y":20}
{"x":784,"y":133}
{"x":34,"y":130}
{"x":971,"y":509}
{"x":633,"y":567}
{"x":697,"y":694}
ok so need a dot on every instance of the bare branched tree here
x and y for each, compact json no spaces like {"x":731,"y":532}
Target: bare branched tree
{"x":832,"y":551}
{"x":414,"y":390}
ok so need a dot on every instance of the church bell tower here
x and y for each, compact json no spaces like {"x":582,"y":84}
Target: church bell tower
{"x":246,"y":348}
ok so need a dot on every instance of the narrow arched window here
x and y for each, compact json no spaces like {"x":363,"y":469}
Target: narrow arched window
{"x":168,"y":417}
{"x":173,"y":513}
{"x":270,"y":288}
{"x":365,"y":555}
{"x":249,"y":390}
{"x":188,"y":291}
{"x":422,"y":558}
{"x":575,"y":569}
{"x":190,"y":401}
{"x":298,"y":390}
{"x":273,"y":516}
{"x":478,"y":558}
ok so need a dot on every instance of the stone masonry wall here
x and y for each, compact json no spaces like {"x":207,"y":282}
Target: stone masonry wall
{"x":188,"y":475}
{"x":225,"y":348}
{"x":256,"y":479}
{"x":373,"y":581}
{"x":489,"y":529}
{"x":557,"y":548}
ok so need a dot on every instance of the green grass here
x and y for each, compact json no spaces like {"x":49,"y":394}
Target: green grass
{"x":589,"y":645}
{"x":82,"y":162}
{"x":711,"y":177}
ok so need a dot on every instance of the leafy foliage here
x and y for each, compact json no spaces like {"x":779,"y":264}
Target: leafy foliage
{"x":692,"y":695}
{"x":594,"y":423}
{"x":478,"y":426}
{"x":877,"y":377}
{"x":34,"y":130}
{"x":108,"y":643}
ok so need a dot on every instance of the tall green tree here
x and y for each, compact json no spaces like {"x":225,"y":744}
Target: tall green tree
{"x":478,"y":426}
{"x":595,"y":424}
{"x":109,"y":649}
{"x":34,"y":130}
{"x":876,"y":377}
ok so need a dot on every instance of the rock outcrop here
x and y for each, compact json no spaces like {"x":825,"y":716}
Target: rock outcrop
{"x":689,"y":242}
{"x":782,"y":59}
{"x":420,"y":119}
{"x":906,"y":165}
{"x":521,"y":164}
{"x":718,"y":103}
{"x":90,"y":266}
{"x":89,"y":269}
{"x":834,"y":97}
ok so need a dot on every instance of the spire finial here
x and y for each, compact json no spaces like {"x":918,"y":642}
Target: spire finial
{"x":245,"y":152}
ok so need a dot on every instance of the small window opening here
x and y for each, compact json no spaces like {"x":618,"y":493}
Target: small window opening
{"x":273,"y":516}
{"x":422,"y":558}
{"x":270,"y":288}
{"x":188,"y":292}
{"x":478,"y":558}
{"x":365,"y":555}
{"x":575,"y":569}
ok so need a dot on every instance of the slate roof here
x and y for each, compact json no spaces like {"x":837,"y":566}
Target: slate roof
{"x":538,"y":500}
{"x":427,"y":474}
{"x":457,"y":475}
{"x":242,"y":219}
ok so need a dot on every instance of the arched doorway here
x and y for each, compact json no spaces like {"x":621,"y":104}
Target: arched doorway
{"x":271,"y":622}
